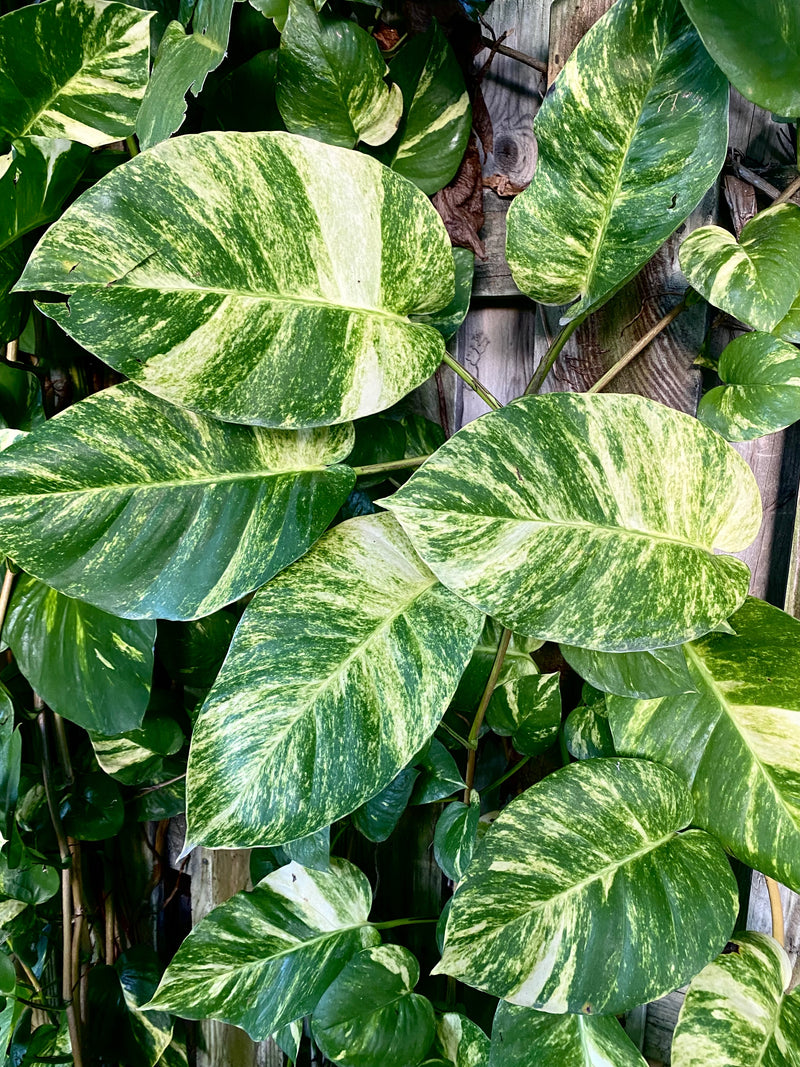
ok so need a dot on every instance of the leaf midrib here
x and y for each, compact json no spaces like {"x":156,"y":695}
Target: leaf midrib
{"x":125,"y":487}
{"x":726,"y":705}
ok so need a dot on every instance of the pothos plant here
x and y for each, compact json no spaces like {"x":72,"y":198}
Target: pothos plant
{"x":272,"y":284}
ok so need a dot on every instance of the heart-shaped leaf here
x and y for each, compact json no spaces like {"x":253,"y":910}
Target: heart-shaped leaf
{"x":631,"y":135}
{"x":591,"y":850}
{"x":761,"y":393}
{"x":736,"y":741}
{"x":98,"y":668}
{"x":331,"y":80}
{"x":146,"y":510}
{"x":592,"y":520}
{"x":369,"y":1015}
{"x":323,"y":257}
{"x":737,"y":1013}
{"x":74,"y":69}
{"x":263,"y":959}
{"x":587,"y":733}
{"x":456,"y":835}
{"x":756,"y":278}
{"x":528,"y":710}
{"x":340,"y":670}
{"x":522,"y":1036}
{"x":659,"y":673}
{"x":757,"y":46}
{"x":461,"y":1041}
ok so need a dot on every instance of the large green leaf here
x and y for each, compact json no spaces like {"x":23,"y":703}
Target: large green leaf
{"x":369,"y":1014}
{"x":736,"y":741}
{"x":97,"y":668}
{"x":331,"y":80}
{"x":323,"y":256}
{"x":592,"y":520}
{"x":263,"y":959}
{"x":761,"y":393}
{"x":14,"y":307}
{"x":74,"y":69}
{"x":631,"y":135}
{"x":659,"y":673}
{"x":757,"y":46}
{"x":590,"y":851}
{"x":341,"y":669}
{"x":37,"y":174}
{"x":522,"y":1037}
{"x":437,"y":117}
{"x":754,"y":279}
{"x":146,"y":510}
{"x":736,"y":1013}
{"x":456,"y":835}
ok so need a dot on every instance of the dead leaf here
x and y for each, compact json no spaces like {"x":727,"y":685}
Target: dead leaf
{"x":460,"y":204}
{"x":503,"y":185}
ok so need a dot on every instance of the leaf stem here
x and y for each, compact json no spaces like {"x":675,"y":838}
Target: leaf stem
{"x":776,"y":909}
{"x":392,"y":465}
{"x":640,"y":346}
{"x":472,"y":382}
{"x":392,"y":923}
{"x":552,"y":354}
{"x":160,"y":785}
{"x":132,"y":146}
{"x":5,"y":595}
{"x":504,"y":777}
{"x":477,"y":722}
{"x":461,"y":740}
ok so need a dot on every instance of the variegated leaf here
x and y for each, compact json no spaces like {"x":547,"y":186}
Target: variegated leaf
{"x":662,"y":672}
{"x":331,"y":80}
{"x":449,"y":319}
{"x":788,"y":329}
{"x":756,"y":278}
{"x":369,"y":1014}
{"x":146,"y":510}
{"x":14,"y":307}
{"x":97,"y":668}
{"x":761,"y":393}
{"x":263,"y":959}
{"x":528,"y":710}
{"x":522,"y":1037}
{"x":378,"y":818}
{"x":137,"y":756}
{"x":736,"y":741}
{"x":591,"y":850}
{"x":150,"y":1031}
{"x":737,"y":1013}
{"x":587,"y":733}
{"x":756,"y":45}
{"x":74,"y":69}
{"x":590,"y":520}
{"x":456,"y":835}
{"x":517,"y":664}
{"x":631,"y":135}
{"x":37,"y":174}
{"x":461,"y":1041}
{"x":437,"y":116}
{"x":323,"y":257}
{"x":340,"y":671}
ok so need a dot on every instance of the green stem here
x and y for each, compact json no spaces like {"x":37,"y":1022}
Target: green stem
{"x":393,"y":465}
{"x":392,"y":923}
{"x":132,"y":146}
{"x":461,"y":740}
{"x":504,"y":777}
{"x":477,"y":722}
{"x":552,"y":354}
{"x":472,"y":382}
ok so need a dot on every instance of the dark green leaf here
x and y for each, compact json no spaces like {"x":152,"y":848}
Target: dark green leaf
{"x":36,"y":176}
{"x":378,"y":818}
{"x":93,"y":810}
{"x":31,"y":883}
{"x":98,"y":668}
{"x":528,"y":710}
{"x":456,"y":835}
{"x":370,"y":1016}
{"x":439,"y":775}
